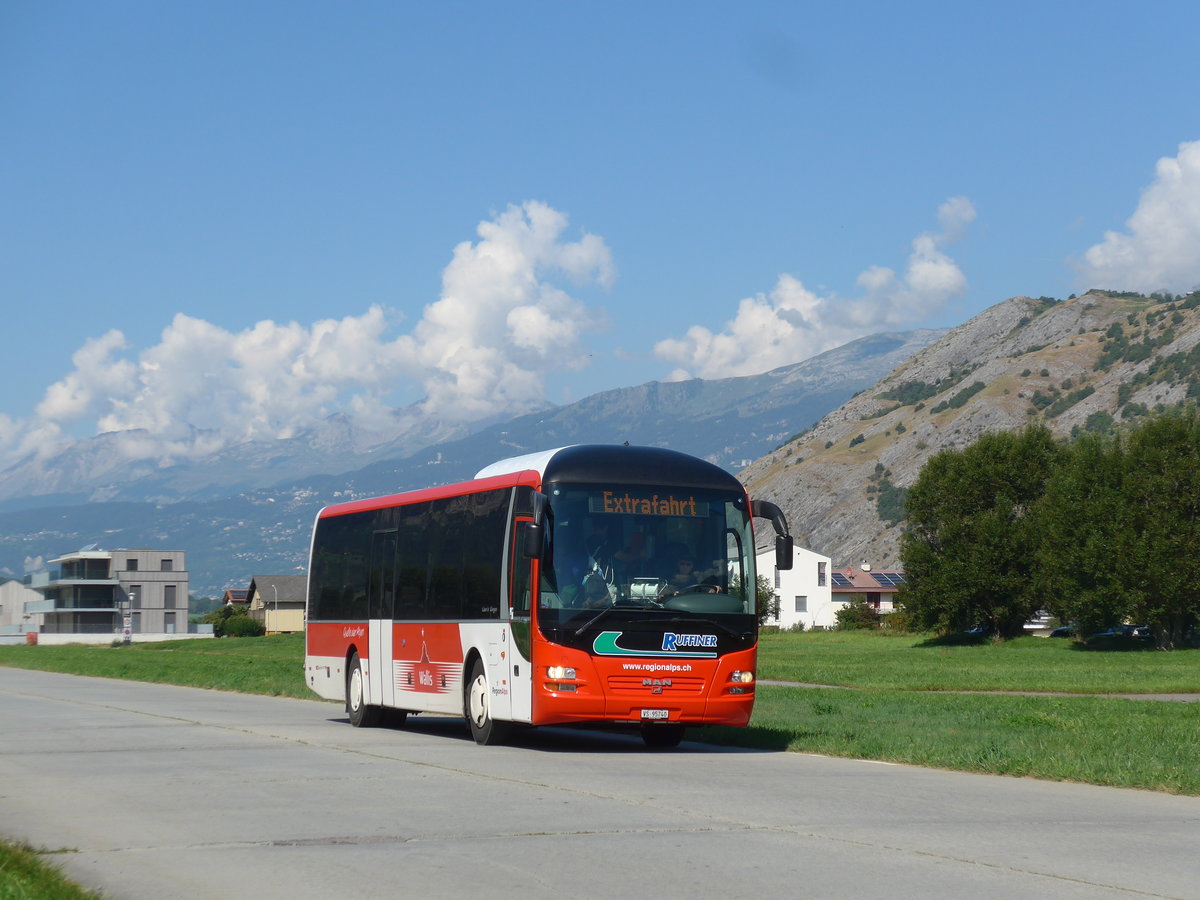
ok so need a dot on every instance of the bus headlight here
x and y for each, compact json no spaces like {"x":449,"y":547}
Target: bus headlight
{"x":742,"y":677}
{"x":561,"y":678}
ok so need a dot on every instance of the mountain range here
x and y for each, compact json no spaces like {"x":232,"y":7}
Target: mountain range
{"x":249,"y":509}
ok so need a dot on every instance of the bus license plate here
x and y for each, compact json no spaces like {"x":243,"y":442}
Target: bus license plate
{"x":655,"y":714}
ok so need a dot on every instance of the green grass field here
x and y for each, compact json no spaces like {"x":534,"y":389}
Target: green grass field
{"x":880,"y":661}
{"x":268,"y":665}
{"x":899,"y":707}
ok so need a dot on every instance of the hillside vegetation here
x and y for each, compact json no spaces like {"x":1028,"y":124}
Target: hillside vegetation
{"x":1089,"y":363}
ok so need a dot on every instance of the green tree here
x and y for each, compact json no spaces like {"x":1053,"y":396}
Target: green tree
{"x":1162,"y":494}
{"x":1126,"y":510}
{"x":1083,"y":524}
{"x":765,"y":601}
{"x":969,"y":552}
{"x":766,"y":604}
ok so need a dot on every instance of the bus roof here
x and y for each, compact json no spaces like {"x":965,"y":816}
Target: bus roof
{"x":579,"y":463}
{"x":535,"y":462}
{"x":433,"y":493}
{"x":620,"y":463}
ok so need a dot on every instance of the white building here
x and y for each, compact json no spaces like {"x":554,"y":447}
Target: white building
{"x":13,"y":617}
{"x":804,"y":591}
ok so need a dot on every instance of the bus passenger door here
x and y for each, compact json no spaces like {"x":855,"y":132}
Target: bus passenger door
{"x":381,"y":592}
{"x":521,"y":581}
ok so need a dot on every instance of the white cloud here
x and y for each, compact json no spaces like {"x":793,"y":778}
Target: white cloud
{"x":1161,"y":248}
{"x":500,"y":325}
{"x":484,"y":348}
{"x":264,"y":382}
{"x":97,"y":375}
{"x":792,"y":323}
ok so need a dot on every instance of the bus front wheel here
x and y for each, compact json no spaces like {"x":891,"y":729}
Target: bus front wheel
{"x":361,"y":715}
{"x":477,"y":708}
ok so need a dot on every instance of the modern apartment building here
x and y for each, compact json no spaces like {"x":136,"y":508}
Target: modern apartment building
{"x":96,"y":591}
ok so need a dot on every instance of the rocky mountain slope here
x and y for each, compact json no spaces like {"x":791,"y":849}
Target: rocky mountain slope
{"x":1087,"y":363}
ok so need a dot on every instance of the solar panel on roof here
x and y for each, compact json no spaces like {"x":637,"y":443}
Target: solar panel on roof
{"x":840,"y":580}
{"x":889,"y":579}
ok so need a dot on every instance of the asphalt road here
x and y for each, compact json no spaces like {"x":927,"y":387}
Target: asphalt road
{"x":160,"y":791}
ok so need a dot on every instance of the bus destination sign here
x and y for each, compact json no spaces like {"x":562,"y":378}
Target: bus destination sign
{"x":647,"y":505}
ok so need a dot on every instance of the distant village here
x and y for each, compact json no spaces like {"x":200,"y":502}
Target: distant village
{"x":93,"y":595}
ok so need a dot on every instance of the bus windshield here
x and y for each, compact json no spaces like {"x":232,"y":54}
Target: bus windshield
{"x":637,"y":549}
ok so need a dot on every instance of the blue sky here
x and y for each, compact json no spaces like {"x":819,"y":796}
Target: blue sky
{"x":238,"y":217}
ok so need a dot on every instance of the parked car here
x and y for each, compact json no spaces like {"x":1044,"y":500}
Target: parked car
{"x":1133,"y":632}
{"x":1071,"y":629}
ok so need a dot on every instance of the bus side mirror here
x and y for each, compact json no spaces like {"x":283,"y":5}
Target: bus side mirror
{"x":765,"y":509}
{"x":535,"y":540}
{"x":783,"y":552}
{"x":535,"y":531}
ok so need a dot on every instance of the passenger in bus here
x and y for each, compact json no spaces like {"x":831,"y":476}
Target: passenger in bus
{"x":687,"y":575}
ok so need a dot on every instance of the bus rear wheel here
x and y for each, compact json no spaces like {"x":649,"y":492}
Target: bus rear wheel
{"x":662,"y":737}
{"x":477,"y":708}
{"x":361,"y":715}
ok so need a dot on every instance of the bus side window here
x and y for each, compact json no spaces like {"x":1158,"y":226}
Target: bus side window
{"x":413,"y":563}
{"x":735,"y":574}
{"x":519,"y":568}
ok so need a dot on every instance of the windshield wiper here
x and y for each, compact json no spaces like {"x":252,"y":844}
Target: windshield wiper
{"x":607,"y":609}
{"x":593,"y":620}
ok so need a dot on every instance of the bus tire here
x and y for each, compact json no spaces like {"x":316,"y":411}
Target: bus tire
{"x":361,"y":715}
{"x":477,"y":707}
{"x":662,"y":737}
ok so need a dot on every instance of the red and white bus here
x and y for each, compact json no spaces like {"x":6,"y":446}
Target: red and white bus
{"x":587,"y":584}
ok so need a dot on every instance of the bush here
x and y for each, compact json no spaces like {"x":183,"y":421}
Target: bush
{"x":244,"y":626}
{"x":897,"y":622}
{"x":857,"y":615}
{"x":890,"y":503}
{"x":234,"y":621}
